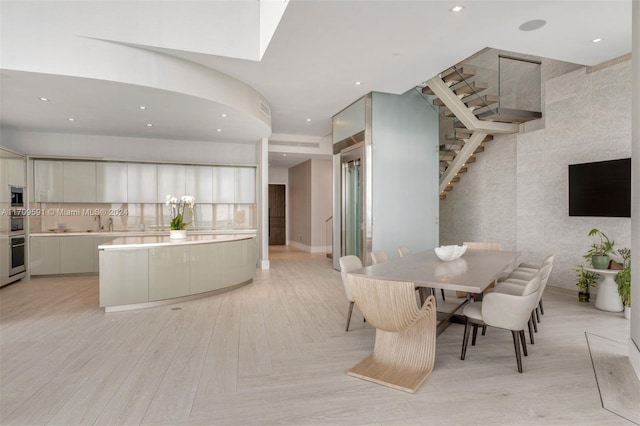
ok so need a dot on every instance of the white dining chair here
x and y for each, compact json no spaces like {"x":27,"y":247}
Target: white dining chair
{"x":349,"y":264}
{"x":379,"y":256}
{"x":506,"y":311}
{"x":403,"y":251}
{"x":526,"y":270}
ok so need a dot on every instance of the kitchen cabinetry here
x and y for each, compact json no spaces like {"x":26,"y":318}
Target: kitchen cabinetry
{"x":168,"y":272}
{"x":45,"y":255}
{"x":171,"y":181}
{"x":142,"y":183}
{"x":127,"y":275}
{"x":77,"y":254}
{"x":48,"y":177}
{"x":245,"y":185}
{"x":111,"y":182}
{"x":12,"y":172}
{"x":199,"y":183}
{"x":79,"y":181}
{"x":224,"y":185}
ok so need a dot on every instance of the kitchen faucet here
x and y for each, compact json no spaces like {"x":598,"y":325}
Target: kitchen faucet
{"x":99,"y":219}
{"x":110,"y":224}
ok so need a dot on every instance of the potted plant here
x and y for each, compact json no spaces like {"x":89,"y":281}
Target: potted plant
{"x":623,"y":279}
{"x":177,"y":209}
{"x":585,"y":280}
{"x":598,"y":254}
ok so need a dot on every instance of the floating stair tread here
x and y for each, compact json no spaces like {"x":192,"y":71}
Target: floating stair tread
{"x":507,"y":115}
{"x":455,"y":75}
{"x":465,"y":89}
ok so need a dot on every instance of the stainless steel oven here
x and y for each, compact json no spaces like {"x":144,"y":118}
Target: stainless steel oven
{"x":17,"y":223}
{"x":17,"y":196}
{"x":17,"y":255}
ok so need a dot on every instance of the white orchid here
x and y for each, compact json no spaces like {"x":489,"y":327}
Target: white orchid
{"x":177,"y":208}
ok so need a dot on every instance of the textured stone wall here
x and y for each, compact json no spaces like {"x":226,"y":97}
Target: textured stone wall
{"x":517,"y":191}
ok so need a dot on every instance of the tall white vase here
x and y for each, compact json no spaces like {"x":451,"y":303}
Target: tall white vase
{"x":178,"y":234}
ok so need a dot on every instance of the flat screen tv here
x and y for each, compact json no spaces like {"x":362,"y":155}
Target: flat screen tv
{"x":600,"y":189}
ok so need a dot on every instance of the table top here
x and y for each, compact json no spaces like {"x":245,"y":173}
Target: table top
{"x":603,"y":271}
{"x":473,"y":272}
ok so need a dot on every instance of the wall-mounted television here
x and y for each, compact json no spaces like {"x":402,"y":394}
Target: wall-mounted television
{"x":600,"y":189}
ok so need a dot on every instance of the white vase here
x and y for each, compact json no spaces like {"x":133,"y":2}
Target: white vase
{"x":178,"y":234}
{"x":627,"y":312}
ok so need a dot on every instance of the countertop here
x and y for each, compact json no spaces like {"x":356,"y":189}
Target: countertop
{"x":136,"y":233}
{"x":147,"y":241}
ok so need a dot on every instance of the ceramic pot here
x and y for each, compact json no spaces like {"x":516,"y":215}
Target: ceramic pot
{"x":178,"y":234}
{"x":627,"y":312}
{"x":600,"y":262}
{"x":584,"y":296}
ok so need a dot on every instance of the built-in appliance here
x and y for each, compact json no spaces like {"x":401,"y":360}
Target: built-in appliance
{"x":17,"y":223}
{"x":16,"y":255}
{"x":17,"y":196}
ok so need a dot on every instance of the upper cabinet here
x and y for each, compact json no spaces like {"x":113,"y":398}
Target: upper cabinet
{"x":224,"y":185}
{"x":245,"y":185}
{"x":199,"y":183}
{"x":48,"y":180}
{"x":142,"y":183}
{"x":171,"y":181}
{"x":111,"y":182}
{"x":79,"y":181}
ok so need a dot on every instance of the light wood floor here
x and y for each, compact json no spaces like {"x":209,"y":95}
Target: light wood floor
{"x":276,"y":352}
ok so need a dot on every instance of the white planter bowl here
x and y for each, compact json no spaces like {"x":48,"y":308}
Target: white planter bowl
{"x":449,"y":253}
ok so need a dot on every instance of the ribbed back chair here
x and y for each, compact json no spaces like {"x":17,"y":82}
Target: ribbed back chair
{"x":349,"y":264}
{"x":404,"y":350}
{"x":506,"y":311}
{"x":403,"y":251}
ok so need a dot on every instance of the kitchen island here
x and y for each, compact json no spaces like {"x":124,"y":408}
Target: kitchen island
{"x":147,"y":271}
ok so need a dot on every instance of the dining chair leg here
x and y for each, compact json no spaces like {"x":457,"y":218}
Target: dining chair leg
{"x":516,"y":345}
{"x":524,"y":342}
{"x":442,"y":291}
{"x":534,"y":322}
{"x":475,"y":334}
{"x":530,"y":325}
{"x":541,"y":307}
{"x":484,"y":330}
{"x":537,"y":314}
{"x":465,"y":339}
{"x":349,"y":316}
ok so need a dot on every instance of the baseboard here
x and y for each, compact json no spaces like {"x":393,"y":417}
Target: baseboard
{"x":563,"y":290}
{"x":264,"y":264}
{"x":307,"y":248}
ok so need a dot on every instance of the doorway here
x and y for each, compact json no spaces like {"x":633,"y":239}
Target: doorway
{"x":277,"y":215}
{"x":352,"y":215}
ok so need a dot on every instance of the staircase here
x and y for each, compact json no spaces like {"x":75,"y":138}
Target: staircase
{"x":476,"y":116}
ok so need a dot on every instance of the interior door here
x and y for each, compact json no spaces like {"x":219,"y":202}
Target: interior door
{"x":277,"y":215}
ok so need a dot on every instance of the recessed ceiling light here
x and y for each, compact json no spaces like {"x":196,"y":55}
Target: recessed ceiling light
{"x":284,"y":155}
{"x":71,"y":119}
{"x":456,"y":8}
{"x":218,"y":130}
{"x":308,"y":119}
{"x":532,"y":25}
{"x":44,"y":99}
{"x":596,"y":40}
{"x":358,"y":83}
{"x":142,"y":107}
{"x":223,"y":115}
{"x":149,"y":125}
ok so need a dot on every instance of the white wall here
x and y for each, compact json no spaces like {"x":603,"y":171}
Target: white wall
{"x":517,"y":191}
{"x":321,"y":201}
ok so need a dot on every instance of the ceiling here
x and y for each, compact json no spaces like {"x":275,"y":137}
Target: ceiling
{"x":309,"y":70}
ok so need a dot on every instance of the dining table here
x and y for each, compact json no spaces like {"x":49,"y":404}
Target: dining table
{"x":404,"y":350}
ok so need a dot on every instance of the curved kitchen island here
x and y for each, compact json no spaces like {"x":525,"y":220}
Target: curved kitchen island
{"x":146,"y":271}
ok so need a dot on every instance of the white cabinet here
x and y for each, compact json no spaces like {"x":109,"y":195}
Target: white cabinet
{"x":16,"y":174}
{"x":79,"y":181}
{"x":45,"y":255}
{"x":171,"y":181}
{"x":169,"y":272}
{"x":96,"y":253}
{"x":48,"y":180}
{"x":77,"y":254}
{"x":199,"y":183}
{"x":124,"y":277}
{"x":142,"y":183}
{"x":224,"y":185}
{"x":111,"y":182}
{"x":245,"y":185}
